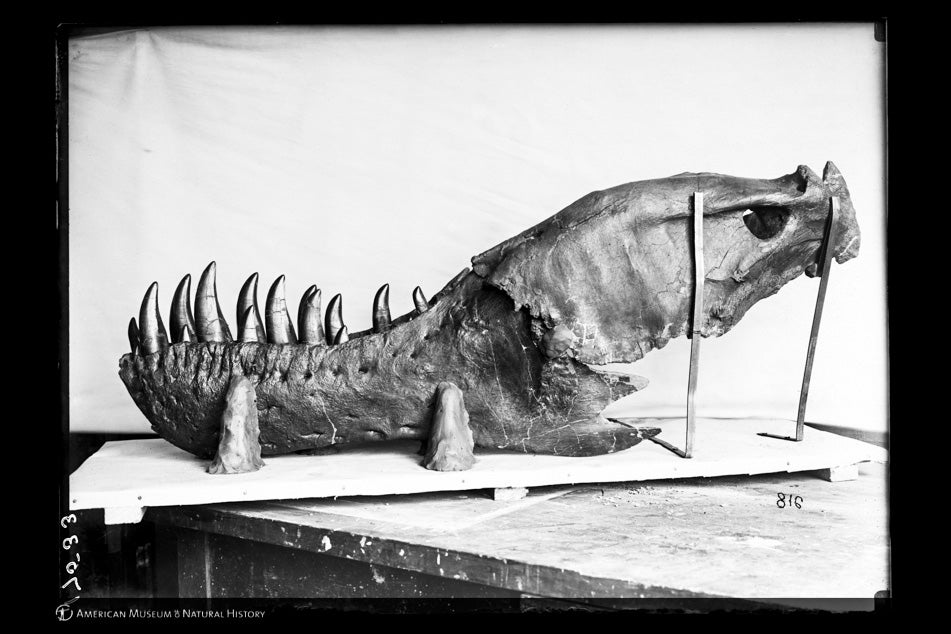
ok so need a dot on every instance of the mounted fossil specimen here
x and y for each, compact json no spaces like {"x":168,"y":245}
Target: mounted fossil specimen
{"x":515,"y":345}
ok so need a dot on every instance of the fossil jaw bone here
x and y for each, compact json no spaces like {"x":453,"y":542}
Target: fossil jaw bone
{"x":540,"y":287}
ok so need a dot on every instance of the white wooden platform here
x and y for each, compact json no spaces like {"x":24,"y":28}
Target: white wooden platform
{"x":125,"y":477}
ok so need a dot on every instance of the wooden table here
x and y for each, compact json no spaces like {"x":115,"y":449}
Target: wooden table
{"x":701,"y":537}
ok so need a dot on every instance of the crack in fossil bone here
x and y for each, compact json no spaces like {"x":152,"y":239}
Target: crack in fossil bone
{"x":323,"y":406}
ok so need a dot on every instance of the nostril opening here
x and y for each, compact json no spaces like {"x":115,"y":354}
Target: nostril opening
{"x":765,"y":222}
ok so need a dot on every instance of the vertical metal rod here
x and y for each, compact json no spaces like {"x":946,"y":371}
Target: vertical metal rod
{"x":697,"y":322}
{"x":695,"y":326}
{"x":828,"y":243}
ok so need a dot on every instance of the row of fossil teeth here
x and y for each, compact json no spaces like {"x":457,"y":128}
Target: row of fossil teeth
{"x":208,"y":323}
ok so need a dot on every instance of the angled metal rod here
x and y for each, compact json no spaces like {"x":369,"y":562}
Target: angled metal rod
{"x":826,"y":259}
{"x":697,"y":323}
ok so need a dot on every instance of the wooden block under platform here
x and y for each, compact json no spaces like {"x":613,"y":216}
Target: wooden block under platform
{"x":840,"y":474}
{"x":132,"y":474}
{"x":123,"y":514}
{"x":509,"y":493}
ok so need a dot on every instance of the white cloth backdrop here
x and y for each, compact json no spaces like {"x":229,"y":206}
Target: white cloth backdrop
{"x":350,"y":157}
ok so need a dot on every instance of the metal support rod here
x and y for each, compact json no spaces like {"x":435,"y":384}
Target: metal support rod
{"x":826,"y":268}
{"x":695,"y":326}
{"x":697,"y":322}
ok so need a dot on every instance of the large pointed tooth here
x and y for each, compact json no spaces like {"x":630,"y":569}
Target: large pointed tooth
{"x":186,"y":335}
{"x":300,"y":308}
{"x":334,"y":320}
{"x":247,"y":328}
{"x":420,"y":300}
{"x":248,"y":298}
{"x":152,"y":335}
{"x":133,"y":335}
{"x":210,"y":324}
{"x":381,"y":309}
{"x":181,"y":313}
{"x":309,"y":319}
{"x":279,"y":326}
{"x":343,"y":336}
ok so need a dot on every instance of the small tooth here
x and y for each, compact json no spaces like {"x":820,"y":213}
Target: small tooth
{"x":248,"y":298}
{"x":185,"y":335}
{"x":381,"y":309}
{"x":210,"y":324}
{"x":133,"y":335}
{"x":309,"y":318}
{"x":342,"y":337}
{"x":831,"y":173}
{"x":279,"y":326}
{"x":181,"y":314}
{"x":247,"y":328}
{"x":334,"y":320}
{"x":152,"y":335}
{"x":301,"y":306}
{"x":420,"y":300}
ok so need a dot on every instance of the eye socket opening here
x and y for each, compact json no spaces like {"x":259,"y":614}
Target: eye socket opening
{"x":765,"y":222}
